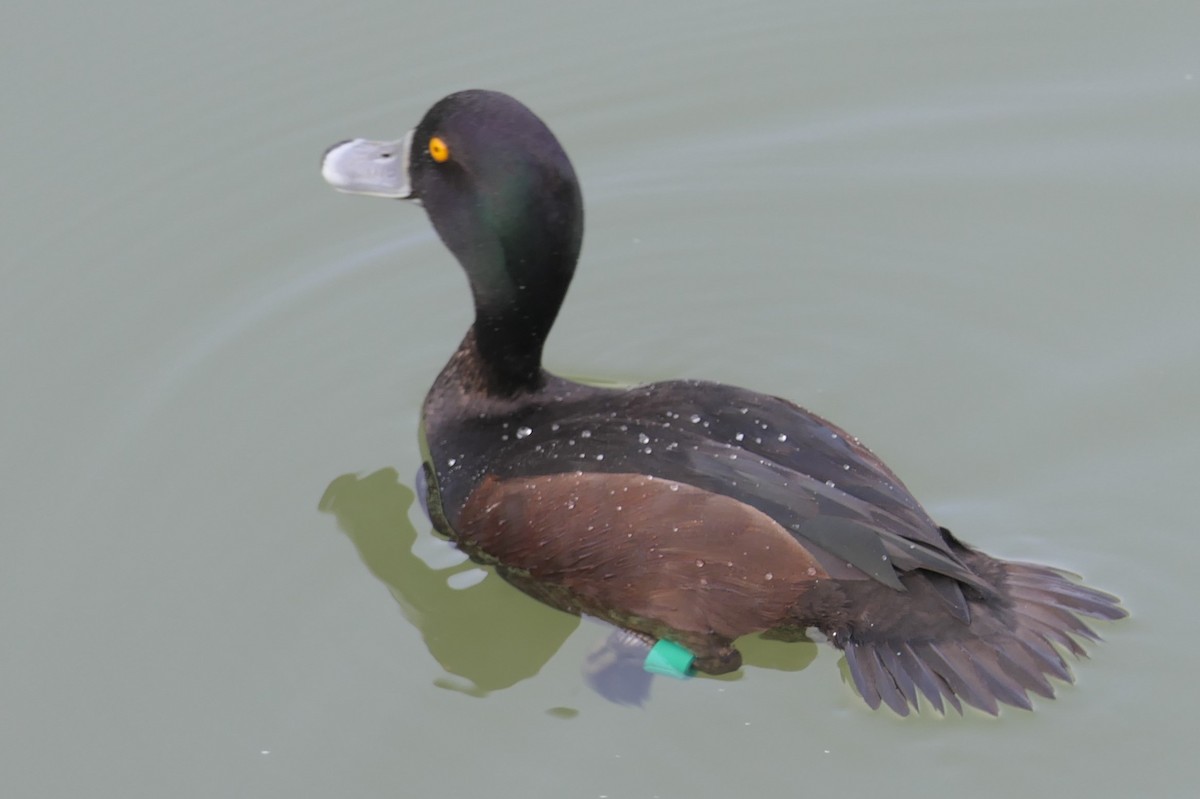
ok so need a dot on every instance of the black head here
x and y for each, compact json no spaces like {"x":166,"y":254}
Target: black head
{"x":503,"y":197}
{"x":490,"y":173}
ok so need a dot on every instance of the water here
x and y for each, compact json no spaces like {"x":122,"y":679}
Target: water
{"x":966,"y":232}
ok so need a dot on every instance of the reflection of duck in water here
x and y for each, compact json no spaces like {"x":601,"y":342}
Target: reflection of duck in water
{"x":686,"y":511}
{"x":487,"y":633}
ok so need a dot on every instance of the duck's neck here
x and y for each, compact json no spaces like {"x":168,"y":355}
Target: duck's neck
{"x":518,"y":242}
{"x":509,"y":355}
{"x":471,"y":374}
{"x":519,"y":279}
{"x":517,"y":298}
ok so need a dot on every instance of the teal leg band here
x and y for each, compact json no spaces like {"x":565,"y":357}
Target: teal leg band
{"x":669,"y":658}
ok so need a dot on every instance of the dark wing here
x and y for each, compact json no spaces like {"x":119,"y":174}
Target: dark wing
{"x":830,"y":492}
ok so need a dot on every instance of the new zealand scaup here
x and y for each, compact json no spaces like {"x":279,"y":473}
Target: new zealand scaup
{"x":684,"y":510}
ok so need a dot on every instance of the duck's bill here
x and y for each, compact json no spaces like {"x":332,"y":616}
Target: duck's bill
{"x":377,"y":168}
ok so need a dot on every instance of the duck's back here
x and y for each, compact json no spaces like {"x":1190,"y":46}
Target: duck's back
{"x":802,"y":472}
{"x":701,"y":512}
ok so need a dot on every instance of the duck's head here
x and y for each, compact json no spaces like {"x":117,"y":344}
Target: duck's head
{"x":503,"y":197}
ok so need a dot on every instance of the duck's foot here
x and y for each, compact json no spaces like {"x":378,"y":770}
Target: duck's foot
{"x":614,"y":669}
{"x":716,"y":658}
{"x":725,"y":661}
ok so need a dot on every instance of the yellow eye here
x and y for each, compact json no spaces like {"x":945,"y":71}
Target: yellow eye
{"x":438,"y":150}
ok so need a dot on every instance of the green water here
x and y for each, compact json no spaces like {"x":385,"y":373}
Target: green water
{"x":965,"y":231}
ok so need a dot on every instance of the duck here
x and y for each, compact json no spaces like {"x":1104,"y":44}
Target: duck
{"x":684,"y":511}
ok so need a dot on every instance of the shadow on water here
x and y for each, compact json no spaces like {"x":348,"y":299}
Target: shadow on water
{"x":490,"y":633}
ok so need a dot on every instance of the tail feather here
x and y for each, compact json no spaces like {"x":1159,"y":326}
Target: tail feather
{"x":1009,"y":650}
{"x":930,"y":684}
{"x":1023,"y":666}
{"x":1056,"y":589}
{"x":1057,"y":625}
{"x":890,"y":661}
{"x":952,"y":665}
{"x":1052,"y":662}
{"x":867,"y":670}
{"x":1004,"y":686}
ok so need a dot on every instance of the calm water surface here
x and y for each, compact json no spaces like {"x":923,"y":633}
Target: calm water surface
{"x":967,"y":232}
